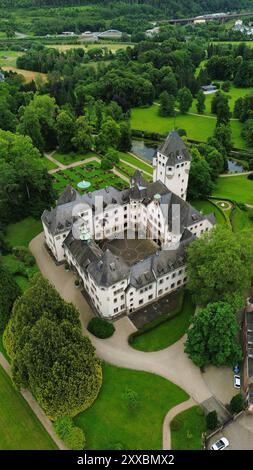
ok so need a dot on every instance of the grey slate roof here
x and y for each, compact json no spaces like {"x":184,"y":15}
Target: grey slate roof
{"x":141,"y":273}
{"x":138,"y":179}
{"x":69,"y":195}
{"x":166,"y":261}
{"x":84,"y":253}
{"x":109,"y":270}
{"x":173,"y":147}
{"x":59,"y":219}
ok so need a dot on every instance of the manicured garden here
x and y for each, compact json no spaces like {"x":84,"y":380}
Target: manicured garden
{"x":90,"y":172}
{"x":237,"y":188}
{"x":111,"y":422}
{"x":198,"y":128}
{"x":187,"y":429}
{"x":19,"y":427}
{"x":170,"y":330}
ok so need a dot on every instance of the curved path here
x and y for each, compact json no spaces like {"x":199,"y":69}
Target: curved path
{"x":169,"y":417}
{"x":171,"y":363}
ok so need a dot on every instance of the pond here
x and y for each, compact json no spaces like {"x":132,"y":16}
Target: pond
{"x":143,"y":149}
{"x":234,"y":167}
{"x":146,"y":150}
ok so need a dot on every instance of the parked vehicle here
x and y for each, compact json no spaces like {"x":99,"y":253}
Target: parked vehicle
{"x":237,"y":381}
{"x":220,"y":444}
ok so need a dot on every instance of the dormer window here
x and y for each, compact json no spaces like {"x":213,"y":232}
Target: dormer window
{"x":179,"y":157}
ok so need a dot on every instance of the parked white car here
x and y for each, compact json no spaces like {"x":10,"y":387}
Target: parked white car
{"x":221,"y":444}
{"x":237,"y":381}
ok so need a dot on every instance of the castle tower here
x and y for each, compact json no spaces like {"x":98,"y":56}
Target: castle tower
{"x":171,"y":165}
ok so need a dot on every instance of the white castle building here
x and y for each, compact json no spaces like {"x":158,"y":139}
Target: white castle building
{"x":129,"y":247}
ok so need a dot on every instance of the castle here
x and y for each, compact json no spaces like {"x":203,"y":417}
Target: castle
{"x":96,"y":234}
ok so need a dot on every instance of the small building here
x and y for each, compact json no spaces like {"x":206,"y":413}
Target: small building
{"x":199,"y":21}
{"x":89,"y":36}
{"x":68,"y":33}
{"x":152,"y":32}
{"x":208,"y":89}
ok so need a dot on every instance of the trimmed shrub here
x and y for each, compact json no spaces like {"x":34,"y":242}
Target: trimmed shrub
{"x":73,"y":436}
{"x":132,"y":399}
{"x":100,"y":328}
{"x":75,"y":440}
{"x":212,"y":420}
{"x":237,"y":403}
{"x":250,"y":176}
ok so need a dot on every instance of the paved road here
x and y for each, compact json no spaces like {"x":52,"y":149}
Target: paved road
{"x":35,"y":407}
{"x":239,"y":434}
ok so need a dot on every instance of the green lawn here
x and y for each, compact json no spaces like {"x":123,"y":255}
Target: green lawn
{"x":191,"y":425}
{"x":238,"y":188}
{"x":241,"y":221}
{"x":167,"y":333}
{"x":136,"y":161}
{"x":207,"y":208}
{"x":19,"y":427}
{"x":198,"y":128}
{"x":233,"y":95}
{"x":109,"y":421}
{"x":72,"y":157}
{"x":21,"y":233}
{"x":8,"y":58}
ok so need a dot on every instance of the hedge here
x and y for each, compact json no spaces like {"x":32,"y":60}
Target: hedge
{"x":100,"y":328}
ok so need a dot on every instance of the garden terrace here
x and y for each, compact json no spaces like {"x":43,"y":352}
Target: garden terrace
{"x":90,"y":172}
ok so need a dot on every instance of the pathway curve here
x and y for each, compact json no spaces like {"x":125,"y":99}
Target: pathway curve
{"x":169,"y":417}
{"x":226,"y":175}
{"x":171,"y":363}
{"x":46,"y":423}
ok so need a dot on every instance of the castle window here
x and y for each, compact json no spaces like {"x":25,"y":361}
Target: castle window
{"x":150,"y":297}
{"x":140,"y":301}
{"x":172,"y":285}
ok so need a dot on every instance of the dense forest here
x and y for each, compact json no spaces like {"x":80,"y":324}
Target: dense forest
{"x":171,"y":7}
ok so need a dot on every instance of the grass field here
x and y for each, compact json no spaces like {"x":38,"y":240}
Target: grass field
{"x":136,"y":161}
{"x":8,"y":58}
{"x":109,"y":422}
{"x":19,"y":427}
{"x":233,"y":95}
{"x":72,"y":157}
{"x":27,"y":74}
{"x":207,"y":208}
{"x":198,"y":128}
{"x":190,"y":425}
{"x":168,"y":332}
{"x":237,"y":188}
{"x":114,"y":47}
{"x":21,"y":233}
{"x":48,"y":164}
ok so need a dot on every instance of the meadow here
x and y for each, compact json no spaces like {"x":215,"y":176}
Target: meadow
{"x":198,"y":128}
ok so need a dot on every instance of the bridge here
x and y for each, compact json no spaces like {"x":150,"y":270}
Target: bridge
{"x":208,"y":17}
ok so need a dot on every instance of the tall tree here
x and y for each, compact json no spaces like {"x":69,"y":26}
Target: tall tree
{"x":213,"y":336}
{"x":65,"y":125}
{"x":167,"y":104}
{"x":184,"y":99}
{"x":49,"y":354}
{"x":201,"y":102}
{"x":10,"y":291}
{"x":219,"y":266}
